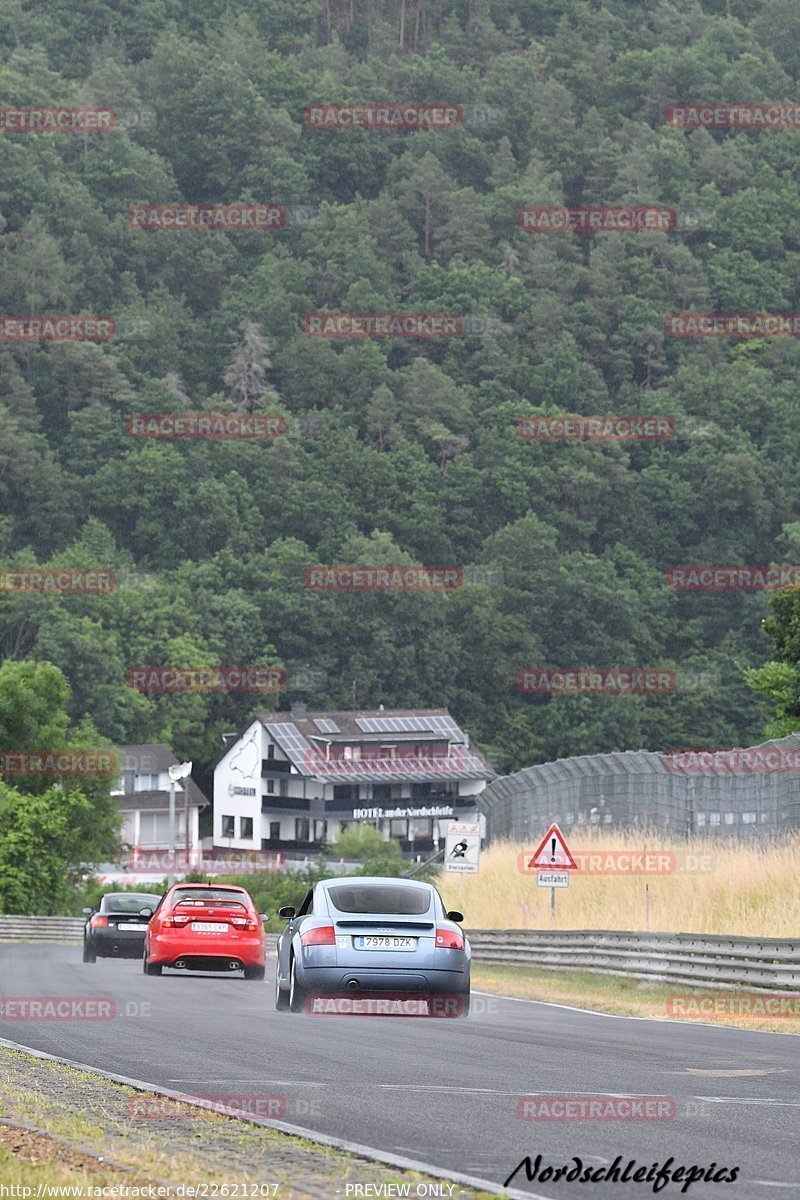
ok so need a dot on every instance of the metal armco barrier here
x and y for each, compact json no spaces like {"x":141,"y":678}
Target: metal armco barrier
{"x":707,"y":960}
{"x":59,"y":929}
{"x":41,"y":929}
{"x":710,"y":961}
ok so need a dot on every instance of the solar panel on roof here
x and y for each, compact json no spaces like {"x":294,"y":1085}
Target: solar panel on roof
{"x":325,"y":725}
{"x":445,"y":725}
{"x":293,"y":743}
{"x":407,"y":725}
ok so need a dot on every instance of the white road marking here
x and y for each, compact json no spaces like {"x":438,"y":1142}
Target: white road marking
{"x":723,"y":1072}
{"x":437,"y":1087}
{"x":593,"y":1012}
{"x":748,"y":1100}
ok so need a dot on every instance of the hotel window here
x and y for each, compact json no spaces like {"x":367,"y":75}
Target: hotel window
{"x":270,"y":787}
{"x":700,"y":819}
{"x":421,"y":827}
{"x":730,"y":818}
{"x":749,"y":818}
{"x":275,"y":831}
{"x":270,"y":750}
{"x":713,"y":818}
{"x":301,"y":829}
{"x":246,"y":828}
{"x":398,"y":829}
{"x":228,"y":827}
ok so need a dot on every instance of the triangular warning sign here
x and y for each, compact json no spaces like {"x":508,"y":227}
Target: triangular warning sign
{"x":553,"y":853}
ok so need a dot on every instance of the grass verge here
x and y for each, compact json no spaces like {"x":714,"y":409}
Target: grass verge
{"x":623,"y":997}
{"x":85,"y":1135}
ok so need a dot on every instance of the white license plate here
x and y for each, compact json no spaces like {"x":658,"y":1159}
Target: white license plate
{"x":208,"y":927}
{"x":370,"y":942}
{"x":135,"y":927}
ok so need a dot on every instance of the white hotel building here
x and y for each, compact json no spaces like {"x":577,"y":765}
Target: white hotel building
{"x":292,"y":781}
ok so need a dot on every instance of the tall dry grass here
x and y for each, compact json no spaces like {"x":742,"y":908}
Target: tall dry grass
{"x":745,"y":889}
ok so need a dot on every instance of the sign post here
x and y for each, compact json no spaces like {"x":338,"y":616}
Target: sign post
{"x":553,"y":862}
{"x":462,"y":847}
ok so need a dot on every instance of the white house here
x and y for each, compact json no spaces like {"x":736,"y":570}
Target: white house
{"x":292,"y":781}
{"x":143,"y":801}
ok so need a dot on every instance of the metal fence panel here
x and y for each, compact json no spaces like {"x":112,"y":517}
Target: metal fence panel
{"x":642,"y":789}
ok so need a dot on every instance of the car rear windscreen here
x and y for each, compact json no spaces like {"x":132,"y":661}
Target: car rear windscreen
{"x":128,"y":903}
{"x":383,"y":898}
{"x":208,"y":896}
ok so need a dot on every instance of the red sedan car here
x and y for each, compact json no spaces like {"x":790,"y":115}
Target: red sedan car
{"x":205,"y":927}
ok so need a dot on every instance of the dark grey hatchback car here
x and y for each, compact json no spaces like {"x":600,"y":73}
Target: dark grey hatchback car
{"x":116,"y":928}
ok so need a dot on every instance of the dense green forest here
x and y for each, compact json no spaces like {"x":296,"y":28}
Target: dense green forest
{"x":400,"y":451}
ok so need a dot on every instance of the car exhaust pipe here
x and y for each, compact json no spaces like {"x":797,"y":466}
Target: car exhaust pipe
{"x":233,"y":965}
{"x":180,"y":964}
{"x":353,"y":985}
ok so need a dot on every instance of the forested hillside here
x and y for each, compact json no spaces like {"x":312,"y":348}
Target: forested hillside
{"x":400,"y":450}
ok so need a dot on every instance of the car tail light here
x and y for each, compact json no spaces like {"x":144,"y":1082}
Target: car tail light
{"x":98,"y":922}
{"x":323,"y":935}
{"x":449,"y":939}
{"x":175,"y":922}
{"x":245,"y":924}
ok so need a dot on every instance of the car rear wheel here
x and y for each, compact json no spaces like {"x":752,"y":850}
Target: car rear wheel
{"x":281,"y":997}
{"x":255,"y":972}
{"x":296,"y":994}
{"x":150,"y":968}
{"x":463,"y":1008}
{"x":88,"y":954}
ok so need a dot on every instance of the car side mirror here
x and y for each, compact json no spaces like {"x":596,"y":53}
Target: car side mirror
{"x":455,"y":915}
{"x":264,"y":916}
{"x":86,"y":911}
{"x":286,"y":913}
{"x":145,"y":912}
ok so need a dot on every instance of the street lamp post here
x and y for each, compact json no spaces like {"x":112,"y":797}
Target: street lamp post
{"x":178,"y":771}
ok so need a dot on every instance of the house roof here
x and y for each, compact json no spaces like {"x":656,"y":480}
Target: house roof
{"x":301,"y":738}
{"x":153,"y":758}
{"x":156,"y":756}
{"x":348,"y":729}
{"x":159,"y":801}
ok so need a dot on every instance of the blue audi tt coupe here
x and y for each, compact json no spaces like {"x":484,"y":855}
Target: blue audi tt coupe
{"x":375,"y":936}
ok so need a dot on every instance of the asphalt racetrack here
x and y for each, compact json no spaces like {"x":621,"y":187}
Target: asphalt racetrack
{"x":445,"y":1093}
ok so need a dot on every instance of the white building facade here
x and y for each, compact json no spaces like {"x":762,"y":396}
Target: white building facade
{"x":293,"y":781}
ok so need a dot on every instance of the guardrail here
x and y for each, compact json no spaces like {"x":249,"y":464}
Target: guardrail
{"x":41,"y":929}
{"x":58,"y":929}
{"x":768,"y":964}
